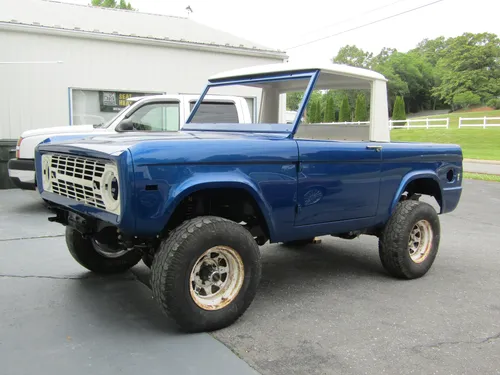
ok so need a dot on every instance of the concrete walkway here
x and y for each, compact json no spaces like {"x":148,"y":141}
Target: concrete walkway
{"x":482,"y":166}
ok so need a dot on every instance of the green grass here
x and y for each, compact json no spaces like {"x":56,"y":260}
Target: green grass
{"x":481,"y":176}
{"x":476,"y":143}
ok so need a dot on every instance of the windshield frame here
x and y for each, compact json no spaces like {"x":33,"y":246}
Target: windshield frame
{"x":311,"y":75}
{"x":121,"y":112}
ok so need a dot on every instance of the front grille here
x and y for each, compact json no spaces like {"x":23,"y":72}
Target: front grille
{"x":77,"y":178}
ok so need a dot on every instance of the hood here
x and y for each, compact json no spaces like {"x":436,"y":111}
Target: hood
{"x":161,"y":145}
{"x":61,"y":130}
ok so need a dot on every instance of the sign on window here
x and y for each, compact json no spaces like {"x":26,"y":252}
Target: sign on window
{"x":114,"y":101}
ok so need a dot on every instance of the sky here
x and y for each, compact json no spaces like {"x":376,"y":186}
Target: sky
{"x":276,"y":25}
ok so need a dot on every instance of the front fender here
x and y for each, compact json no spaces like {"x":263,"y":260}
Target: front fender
{"x":212,"y":180}
{"x":408,"y":178}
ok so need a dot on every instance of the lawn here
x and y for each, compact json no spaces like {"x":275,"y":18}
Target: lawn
{"x":481,"y":176}
{"x":476,"y":143}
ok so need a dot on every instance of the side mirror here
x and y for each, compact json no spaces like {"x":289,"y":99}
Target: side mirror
{"x":125,"y":126}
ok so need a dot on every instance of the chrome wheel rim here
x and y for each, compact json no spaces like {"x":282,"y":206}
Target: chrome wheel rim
{"x":107,"y":251}
{"x":420,"y":241}
{"x":216,"y":278}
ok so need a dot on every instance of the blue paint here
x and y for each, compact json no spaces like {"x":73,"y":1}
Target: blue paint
{"x":357,"y":187}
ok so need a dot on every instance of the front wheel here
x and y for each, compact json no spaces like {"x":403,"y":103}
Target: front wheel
{"x":205,"y":274}
{"x":98,"y":257}
{"x":410,"y":240}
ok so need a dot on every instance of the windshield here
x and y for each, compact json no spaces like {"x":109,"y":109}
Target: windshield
{"x":108,"y":123}
{"x":264,"y":104}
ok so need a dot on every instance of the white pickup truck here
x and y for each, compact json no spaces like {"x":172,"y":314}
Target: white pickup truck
{"x":155,"y":113}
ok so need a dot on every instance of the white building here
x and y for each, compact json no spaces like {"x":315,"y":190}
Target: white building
{"x":63,"y":64}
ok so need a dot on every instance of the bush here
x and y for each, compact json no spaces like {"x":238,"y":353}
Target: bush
{"x":329,"y":110}
{"x":494,"y":103}
{"x":466,"y":99}
{"x":345,"y":111}
{"x":360,"y":112}
{"x":399,"y":113}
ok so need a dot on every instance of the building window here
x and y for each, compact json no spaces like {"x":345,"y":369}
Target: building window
{"x":89,"y":107}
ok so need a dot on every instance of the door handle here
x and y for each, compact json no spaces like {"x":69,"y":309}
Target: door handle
{"x":374,"y":147}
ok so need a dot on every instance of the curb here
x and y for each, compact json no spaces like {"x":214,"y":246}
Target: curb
{"x":479,"y":161}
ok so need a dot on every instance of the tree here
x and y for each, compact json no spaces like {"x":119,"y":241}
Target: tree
{"x":469,"y":62}
{"x":317,"y":115}
{"x":360,"y":112}
{"x":311,"y":112}
{"x":112,"y":4}
{"x":293,"y":100}
{"x":398,"y":112}
{"x":466,"y":99}
{"x":345,"y":111}
{"x":353,"y":56}
{"x":329,"y":109}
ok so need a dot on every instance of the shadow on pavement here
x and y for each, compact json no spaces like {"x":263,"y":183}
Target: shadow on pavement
{"x":120,"y":305}
{"x":286,"y":267}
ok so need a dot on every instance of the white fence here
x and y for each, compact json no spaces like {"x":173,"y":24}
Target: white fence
{"x":478,"y":122}
{"x":426,"y":123}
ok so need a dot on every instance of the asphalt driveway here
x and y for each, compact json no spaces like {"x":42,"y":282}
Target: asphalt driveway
{"x":323,"y":309}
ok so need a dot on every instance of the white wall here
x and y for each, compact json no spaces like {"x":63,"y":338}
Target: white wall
{"x":36,"y":95}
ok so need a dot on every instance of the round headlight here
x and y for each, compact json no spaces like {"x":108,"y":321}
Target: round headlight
{"x":110,"y":188}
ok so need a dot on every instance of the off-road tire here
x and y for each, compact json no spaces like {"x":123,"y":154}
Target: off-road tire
{"x":84,"y":253}
{"x":174,"y":261}
{"x":393,"y":243}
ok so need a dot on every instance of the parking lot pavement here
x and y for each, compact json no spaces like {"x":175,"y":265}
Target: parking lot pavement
{"x":323,"y":309}
{"x":482,"y":166}
{"x":331,"y":308}
{"x":57,"y":318}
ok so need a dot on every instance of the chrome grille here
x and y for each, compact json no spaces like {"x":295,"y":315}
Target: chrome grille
{"x":77,"y":178}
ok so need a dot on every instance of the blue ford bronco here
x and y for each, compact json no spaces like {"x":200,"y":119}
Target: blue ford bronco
{"x":195,"y":205}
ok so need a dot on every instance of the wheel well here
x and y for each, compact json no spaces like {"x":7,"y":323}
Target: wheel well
{"x":234,"y":204}
{"x":424,"y":186}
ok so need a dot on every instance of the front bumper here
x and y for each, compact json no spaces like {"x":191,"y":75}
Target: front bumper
{"x":22,"y":173}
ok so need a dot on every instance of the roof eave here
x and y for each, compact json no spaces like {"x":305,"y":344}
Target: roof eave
{"x":199,"y":46}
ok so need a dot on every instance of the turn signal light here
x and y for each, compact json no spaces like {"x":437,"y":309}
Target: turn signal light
{"x":18,"y":147}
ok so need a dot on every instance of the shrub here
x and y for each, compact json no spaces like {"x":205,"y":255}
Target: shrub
{"x":466,"y":99}
{"x":399,"y":113}
{"x":345,"y":111}
{"x":329,"y":110}
{"x":360,"y":112}
{"x":494,"y":103}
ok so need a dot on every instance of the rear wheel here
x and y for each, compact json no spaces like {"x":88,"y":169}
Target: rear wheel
{"x":97,"y":256}
{"x":205,"y":274}
{"x":409,"y":243}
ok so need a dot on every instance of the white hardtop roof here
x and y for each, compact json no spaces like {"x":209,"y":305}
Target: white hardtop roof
{"x":334,"y":69}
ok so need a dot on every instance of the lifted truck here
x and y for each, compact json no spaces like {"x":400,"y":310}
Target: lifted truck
{"x":196,"y":204}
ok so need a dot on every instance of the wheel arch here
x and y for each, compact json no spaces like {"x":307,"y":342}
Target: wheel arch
{"x":420,"y":182}
{"x":197,"y":186}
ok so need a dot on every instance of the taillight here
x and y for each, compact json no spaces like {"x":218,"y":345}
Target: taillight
{"x":18,"y":147}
